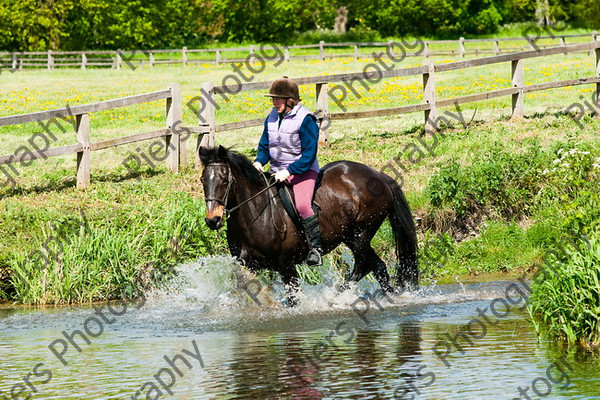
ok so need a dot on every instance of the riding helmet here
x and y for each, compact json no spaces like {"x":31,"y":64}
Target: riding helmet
{"x":284,"y":87}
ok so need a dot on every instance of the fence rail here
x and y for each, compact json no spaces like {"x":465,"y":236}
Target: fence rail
{"x":431,"y":103}
{"x":119,"y":59}
{"x":174,"y":147}
{"x":206,"y":128}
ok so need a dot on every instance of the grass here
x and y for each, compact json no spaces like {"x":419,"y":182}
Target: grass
{"x":111,"y":241}
{"x":135,"y":217}
{"x":565,"y":301}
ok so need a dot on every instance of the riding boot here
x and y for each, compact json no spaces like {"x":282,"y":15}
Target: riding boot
{"x":313,"y":235}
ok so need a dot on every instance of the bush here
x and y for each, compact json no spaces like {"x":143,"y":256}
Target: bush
{"x":501,"y":181}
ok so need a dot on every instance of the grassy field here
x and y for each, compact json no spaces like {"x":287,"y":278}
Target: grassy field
{"x":492,"y":197}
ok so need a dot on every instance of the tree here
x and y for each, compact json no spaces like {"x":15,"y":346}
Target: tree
{"x":32,"y":25}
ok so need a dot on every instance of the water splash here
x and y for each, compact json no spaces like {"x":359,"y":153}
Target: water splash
{"x":218,"y":287}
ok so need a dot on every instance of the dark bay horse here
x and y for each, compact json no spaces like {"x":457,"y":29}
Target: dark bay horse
{"x":352,"y":202}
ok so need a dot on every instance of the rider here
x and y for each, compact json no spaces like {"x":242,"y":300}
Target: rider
{"x":290,"y":141}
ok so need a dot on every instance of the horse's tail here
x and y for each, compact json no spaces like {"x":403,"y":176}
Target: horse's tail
{"x":405,"y":236}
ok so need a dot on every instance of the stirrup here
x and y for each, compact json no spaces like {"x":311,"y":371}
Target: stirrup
{"x":314,"y":257}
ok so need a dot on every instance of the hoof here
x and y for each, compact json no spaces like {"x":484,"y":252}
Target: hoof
{"x":343,"y":287}
{"x":290,"y":302}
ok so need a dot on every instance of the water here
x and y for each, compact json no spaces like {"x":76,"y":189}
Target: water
{"x":230,"y":346}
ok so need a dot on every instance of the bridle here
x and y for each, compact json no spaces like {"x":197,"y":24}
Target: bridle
{"x":223,"y":202}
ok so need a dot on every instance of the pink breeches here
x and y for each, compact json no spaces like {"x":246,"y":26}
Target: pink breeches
{"x":304,"y":188}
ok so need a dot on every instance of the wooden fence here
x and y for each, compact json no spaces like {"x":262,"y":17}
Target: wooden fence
{"x":431,"y":103}
{"x":174,"y":147}
{"x":207,"y":127}
{"x":134,"y":58}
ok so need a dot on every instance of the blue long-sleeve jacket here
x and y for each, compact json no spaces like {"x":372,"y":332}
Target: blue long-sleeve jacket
{"x":309,"y":143}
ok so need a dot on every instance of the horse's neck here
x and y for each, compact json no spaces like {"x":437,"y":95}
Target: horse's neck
{"x":243,"y":191}
{"x":256,"y":219}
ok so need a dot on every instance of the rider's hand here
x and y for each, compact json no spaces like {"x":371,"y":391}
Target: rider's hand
{"x":282,"y":175}
{"x":258,"y":166}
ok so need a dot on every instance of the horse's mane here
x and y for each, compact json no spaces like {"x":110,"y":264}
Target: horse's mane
{"x":237,"y":161}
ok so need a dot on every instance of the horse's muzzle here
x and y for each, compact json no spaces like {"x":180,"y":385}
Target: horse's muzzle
{"x":214,"y":223}
{"x":214,"y":217}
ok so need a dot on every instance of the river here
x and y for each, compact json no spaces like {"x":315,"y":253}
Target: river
{"x":206,"y":337}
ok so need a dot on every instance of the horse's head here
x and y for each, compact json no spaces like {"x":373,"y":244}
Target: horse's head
{"x":216,"y":181}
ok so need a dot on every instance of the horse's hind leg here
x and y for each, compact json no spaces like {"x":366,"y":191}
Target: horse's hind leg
{"x":360,"y":269}
{"x":366,"y":260}
{"x":381,"y":272}
{"x":379,"y":269}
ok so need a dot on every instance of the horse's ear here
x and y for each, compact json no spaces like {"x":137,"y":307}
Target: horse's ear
{"x":204,"y":153}
{"x":222,"y":153}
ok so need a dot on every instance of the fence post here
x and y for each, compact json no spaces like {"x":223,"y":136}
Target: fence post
{"x":286,"y":54}
{"x":597,"y":51}
{"x":427,"y":50}
{"x":496,"y":48}
{"x":461,"y":46}
{"x":207,"y":118}
{"x":252,"y":54}
{"x":322,"y":50}
{"x":184,"y":58}
{"x":119,"y":59}
{"x":323,"y":109}
{"x":429,"y":97}
{"x":594,"y":36}
{"x":563,"y":43}
{"x":151,"y":57}
{"x":356,"y":52}
{"x":172,"y":142}
{"x":14,"y":62}
{"x":390,"y":48}
{"x":83,"y":156}
{"x":50,"y":60}
{"x":218,"y":57}
{"x":517,"y":81}
{"x":83,"y":60}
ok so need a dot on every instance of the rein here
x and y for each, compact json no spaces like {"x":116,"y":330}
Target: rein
{"x":269,"y":186}
{"x":231,"y":210}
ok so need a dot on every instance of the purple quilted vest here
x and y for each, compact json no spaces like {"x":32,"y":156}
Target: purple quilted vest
{"x":284,"y":139}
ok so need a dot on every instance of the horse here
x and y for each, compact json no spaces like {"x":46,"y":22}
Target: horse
{"x":351,"y":199}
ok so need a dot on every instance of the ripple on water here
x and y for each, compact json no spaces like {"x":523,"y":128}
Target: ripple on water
{"x":329,"y":347}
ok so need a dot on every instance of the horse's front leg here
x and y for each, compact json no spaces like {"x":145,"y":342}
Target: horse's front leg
{"x":291,"y":282}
